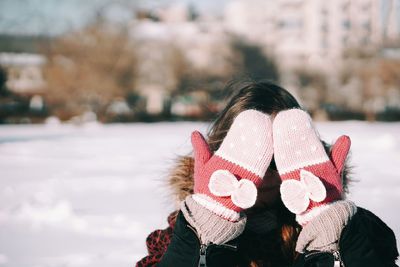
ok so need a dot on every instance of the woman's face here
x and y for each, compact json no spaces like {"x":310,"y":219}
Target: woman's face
{"x":268,"y":192}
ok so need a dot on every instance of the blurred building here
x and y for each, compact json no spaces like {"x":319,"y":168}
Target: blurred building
{"x":25,"y":75}
{"x":24,"y":85}
{"x":391,"y":18}
{"x":313,"y":33}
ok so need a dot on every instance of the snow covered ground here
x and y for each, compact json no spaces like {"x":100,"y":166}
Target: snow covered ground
{"x":89,"y":195}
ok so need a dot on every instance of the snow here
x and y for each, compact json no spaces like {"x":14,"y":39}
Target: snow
{"x":89,"y":195}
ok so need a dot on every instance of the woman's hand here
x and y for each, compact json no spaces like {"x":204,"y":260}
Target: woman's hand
{"x":226,"y":182}
{"x":311,"y":179}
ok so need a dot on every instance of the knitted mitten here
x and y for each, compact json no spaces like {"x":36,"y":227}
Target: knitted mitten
{"x":311,"y":180}
{"x":323,"y":232}
{"x":210,"y":227}
{"x":227,"y":181}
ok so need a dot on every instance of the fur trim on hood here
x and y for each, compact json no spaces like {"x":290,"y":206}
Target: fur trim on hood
{"x":180,"y":179}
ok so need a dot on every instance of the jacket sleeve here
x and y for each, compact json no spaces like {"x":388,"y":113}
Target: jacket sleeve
{"x":157,"y":243}
{"x":368,"y":241}
{"x":184,"y":249}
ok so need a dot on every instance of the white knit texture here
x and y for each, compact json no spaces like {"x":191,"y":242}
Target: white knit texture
{"x":323,"y":232}
{"x":249,"y":142}
{"x":296,"y":142}
{"x":211,"y":227}
{"x":304,"y":218}
{"x":216,"y":207}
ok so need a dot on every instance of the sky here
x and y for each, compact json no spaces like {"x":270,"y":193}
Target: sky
{"x":56,"y":16}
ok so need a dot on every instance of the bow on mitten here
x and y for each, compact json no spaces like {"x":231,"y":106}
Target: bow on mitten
{"x":227,"y":181}
{"x":310,"y":178}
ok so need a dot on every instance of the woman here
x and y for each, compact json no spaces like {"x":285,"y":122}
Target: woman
{"x":276,"y":202}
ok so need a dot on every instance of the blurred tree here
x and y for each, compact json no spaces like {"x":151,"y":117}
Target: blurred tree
{"x":88,"y":69}
{"x":389,"y":71}
{"x":313,"y":88}
{"x":22,"y":43}
{"x":196,"y":88}
{"x":3,"y":80}
{"x":378,"y":82}
{"x":253,"y":62}
{"x":193,"y":13}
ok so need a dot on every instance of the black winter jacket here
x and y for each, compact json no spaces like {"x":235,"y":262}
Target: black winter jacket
{"x":366,"y":241}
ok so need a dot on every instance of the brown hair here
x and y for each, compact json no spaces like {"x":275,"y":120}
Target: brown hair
{"x":263,"y":96}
